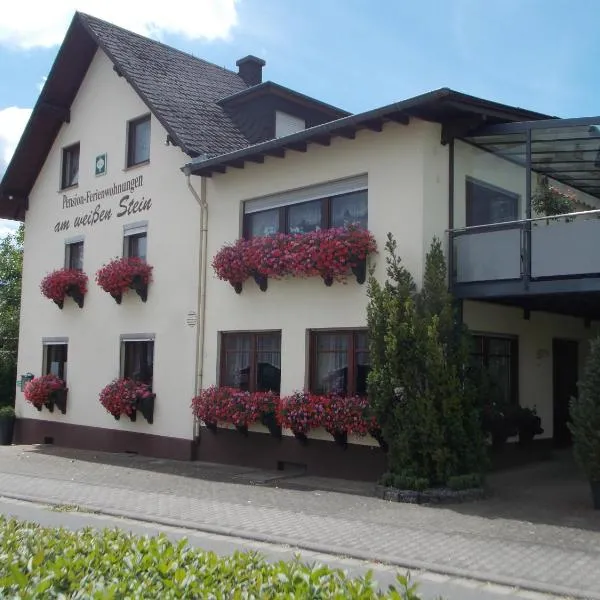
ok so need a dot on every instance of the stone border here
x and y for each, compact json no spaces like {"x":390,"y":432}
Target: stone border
{"x":429,"y":496}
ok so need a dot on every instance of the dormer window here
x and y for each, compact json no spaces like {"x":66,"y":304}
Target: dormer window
{"x":70,"y":167}
{"x":138,"y":141}
{"x":286,"y":124}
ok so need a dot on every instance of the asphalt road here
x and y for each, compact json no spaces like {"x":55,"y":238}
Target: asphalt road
{"x":431,"y":585}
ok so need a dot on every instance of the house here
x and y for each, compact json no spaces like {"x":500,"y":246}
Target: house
{"x":118,"y":120}
{"x":442,"y":164}
{"x":96,"y":176}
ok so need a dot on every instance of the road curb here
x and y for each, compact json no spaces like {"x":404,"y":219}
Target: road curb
{"x":332,"y":550}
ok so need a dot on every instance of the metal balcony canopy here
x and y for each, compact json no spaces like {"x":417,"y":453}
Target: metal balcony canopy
{"x":567,"y":150}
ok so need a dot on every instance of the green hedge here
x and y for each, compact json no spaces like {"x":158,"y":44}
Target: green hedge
{"x":38,"y":563}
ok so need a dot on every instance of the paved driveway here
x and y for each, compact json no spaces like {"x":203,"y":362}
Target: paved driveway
{"x":538,"y":530}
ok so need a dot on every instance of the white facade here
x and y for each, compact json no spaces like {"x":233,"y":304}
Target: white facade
{"x":99,"y":115}
{"x":407,"y":171}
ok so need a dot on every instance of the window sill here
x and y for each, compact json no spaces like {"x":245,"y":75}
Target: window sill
{"x":136,"y":166}
{"x":68,"y":188}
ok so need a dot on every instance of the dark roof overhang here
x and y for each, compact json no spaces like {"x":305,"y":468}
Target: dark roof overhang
{"x":271,"y":88}
{"x":51,"y":110}
{"x":458,"y":113}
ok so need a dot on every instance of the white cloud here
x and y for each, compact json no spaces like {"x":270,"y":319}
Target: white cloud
{"x":33,"y":23}
{"x":12,"y":123}
{"x":7,"y":227}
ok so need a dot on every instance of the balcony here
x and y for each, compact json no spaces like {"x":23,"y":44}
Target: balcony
{"x":505,"y":246}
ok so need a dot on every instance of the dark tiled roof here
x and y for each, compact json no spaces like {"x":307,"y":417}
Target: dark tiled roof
{"x":181,"y":90}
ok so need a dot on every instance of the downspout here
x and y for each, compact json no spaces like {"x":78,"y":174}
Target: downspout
{"x":201,"y":200}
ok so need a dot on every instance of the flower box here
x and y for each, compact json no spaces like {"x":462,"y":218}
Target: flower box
{"x":47,"y":391}
{"x":127,"y":397}
{"x":238,"y":408}
{"x":302,"y":412}
{"x":123,"y":274}
{"x":65,"y":282}
{"x":331,"y":254}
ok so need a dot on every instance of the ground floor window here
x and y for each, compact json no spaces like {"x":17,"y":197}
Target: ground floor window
{"x":55,"y":359}
{"x":339,"y":362}
{"x":251,"y":361}
{"x":137,"y":359}
{"x":499,"y":356}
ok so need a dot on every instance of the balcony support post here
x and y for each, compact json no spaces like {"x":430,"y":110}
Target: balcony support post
{"x":526,"y":237}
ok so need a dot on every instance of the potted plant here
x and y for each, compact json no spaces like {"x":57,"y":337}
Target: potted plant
{"x":125,"y":396}
{"x":65,"y":282}
{"x":528,"y":425}
{"x":7,"y":425}
{"x":585,"y":422}
{"x":302,"y":412}
{"x":212,"y":405}
{"x":122,"y":274}
{"x":549,"y":200}
{"x":47,"y":390}
{"x":500,"y":423}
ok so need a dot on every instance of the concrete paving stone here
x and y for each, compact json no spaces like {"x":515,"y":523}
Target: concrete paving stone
{"x":500,"y":539}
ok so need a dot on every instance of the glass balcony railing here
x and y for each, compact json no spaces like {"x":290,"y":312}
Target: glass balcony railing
{"x":561,"y":246}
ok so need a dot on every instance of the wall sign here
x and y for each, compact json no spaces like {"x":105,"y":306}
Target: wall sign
{"x":101,"y":164}
{"x":127,"y":203}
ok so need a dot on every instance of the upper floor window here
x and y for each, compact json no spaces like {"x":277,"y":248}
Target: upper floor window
{"x":137,"y":359}
{"x":55,"y":359}
{"x":251,"y":361}
{"x":340,"y":362}
{"x":488,"y":204}
{"x":138,"y":141}
{"x":335,"y":204}
{"x":70,"y":166}
{"x":74,"y":255}
{"x":135,"y":240}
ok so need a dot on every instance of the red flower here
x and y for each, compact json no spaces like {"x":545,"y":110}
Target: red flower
{"x":230,"y":405}
{"x":348,"y":414}
{"x":330,"y":253}
{"x":120,"y":396}
{"x":302,"y":411}
{"x":57,"y":284}
{"x":117,"y":276}
{"x":38,"y":390}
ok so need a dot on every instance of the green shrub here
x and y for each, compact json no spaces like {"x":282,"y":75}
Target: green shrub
{"x":404,"y":482}
{"x":7,"y":411}
{"x":418,"y":385}
{"x":585,"y":416}
{"x":465,"y":482}
{"x":39,"y":563}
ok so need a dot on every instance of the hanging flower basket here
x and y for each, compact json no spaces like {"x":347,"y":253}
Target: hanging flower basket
{"x":331,"y":254}
{"x":65,"y":282}
{"x":48,"y":391}
{"x":123,"y":274}
{"x":268,"y":406}
{"x":126,"y":397}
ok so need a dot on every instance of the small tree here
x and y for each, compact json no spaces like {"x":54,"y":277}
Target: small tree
{"x":585,"y":416}
{"x":418,"y":383}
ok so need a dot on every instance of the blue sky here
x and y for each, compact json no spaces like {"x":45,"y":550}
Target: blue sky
{"x":357,"y":54}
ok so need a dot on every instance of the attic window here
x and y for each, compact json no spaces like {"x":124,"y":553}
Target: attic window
{"x":286,"y":124}
{"x":138,"y":141}
{"x":70,"y":166}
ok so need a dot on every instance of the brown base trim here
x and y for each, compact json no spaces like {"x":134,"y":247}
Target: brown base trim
{"x":317,"y":457}
{"x":37,"y":431}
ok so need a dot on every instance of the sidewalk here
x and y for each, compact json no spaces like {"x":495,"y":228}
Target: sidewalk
{"x":478,"y":541}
